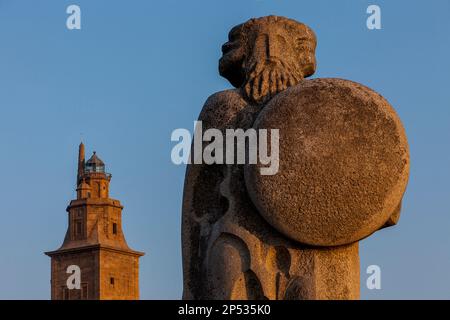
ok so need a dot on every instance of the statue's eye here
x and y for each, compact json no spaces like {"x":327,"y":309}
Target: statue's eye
{"x":234,"y":33}
{"x":227,"y":47}
{"x":233,"y":36}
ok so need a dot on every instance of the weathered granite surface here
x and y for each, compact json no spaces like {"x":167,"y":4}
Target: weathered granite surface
{"x":344,"y":165}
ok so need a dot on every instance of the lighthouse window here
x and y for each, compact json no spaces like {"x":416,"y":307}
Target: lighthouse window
{"x":78,"y":229}
{"x":84,"y":291}
{"x":114,"y":228}
{"x":66,"y":295}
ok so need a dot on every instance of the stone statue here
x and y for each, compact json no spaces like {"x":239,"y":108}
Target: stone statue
{"x":343,"y":169}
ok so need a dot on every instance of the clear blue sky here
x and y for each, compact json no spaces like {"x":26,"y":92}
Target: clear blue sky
{"x":139,"y":69}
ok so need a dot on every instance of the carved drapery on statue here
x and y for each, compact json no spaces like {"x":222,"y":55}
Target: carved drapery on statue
{"x":343,"y":169}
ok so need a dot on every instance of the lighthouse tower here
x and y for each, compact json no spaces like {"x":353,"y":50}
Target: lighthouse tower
{"x":94,"y":243}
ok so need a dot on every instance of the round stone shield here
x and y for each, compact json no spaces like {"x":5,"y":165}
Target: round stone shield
{"x":343,"y":162}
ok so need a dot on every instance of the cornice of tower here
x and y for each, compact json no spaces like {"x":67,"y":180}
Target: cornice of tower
{"x":62,"y":250}
{"x":94,"y":202}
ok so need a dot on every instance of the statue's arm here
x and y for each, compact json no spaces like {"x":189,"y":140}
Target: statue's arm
{"x":202,"y":202}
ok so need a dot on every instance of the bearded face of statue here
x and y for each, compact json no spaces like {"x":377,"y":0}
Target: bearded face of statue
{"x":265,"y":56}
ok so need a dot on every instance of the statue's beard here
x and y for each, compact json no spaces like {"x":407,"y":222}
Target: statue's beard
{"x":265,"y":78}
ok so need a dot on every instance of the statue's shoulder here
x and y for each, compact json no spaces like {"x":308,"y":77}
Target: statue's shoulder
{"x":221,"y":108}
